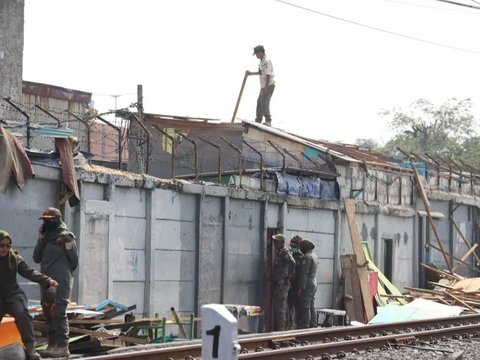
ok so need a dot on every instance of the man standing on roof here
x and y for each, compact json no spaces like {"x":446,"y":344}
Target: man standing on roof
{"x":12,"y":298}
{"x":56,"y":251}
{"x":283,"y":268}
{"x":267,"y":85}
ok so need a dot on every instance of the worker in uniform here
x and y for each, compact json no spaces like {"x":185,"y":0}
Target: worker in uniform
{"x":56,"y":251}
{"x":293,"y":292}
{"x":307,"y":286}
{"x":283,"y":269}
{"x":12,"y":298}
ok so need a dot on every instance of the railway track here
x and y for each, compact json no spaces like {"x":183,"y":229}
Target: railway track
{"x":322,"y":343}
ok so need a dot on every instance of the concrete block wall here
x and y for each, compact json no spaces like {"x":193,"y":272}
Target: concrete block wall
{"x":319,"y":227}
{"x":191,"y":244}
{"x":11,"y":55}
{"x":379,"y":186}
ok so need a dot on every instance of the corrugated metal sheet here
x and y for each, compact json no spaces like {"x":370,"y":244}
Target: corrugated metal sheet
{"x":56,"y":92}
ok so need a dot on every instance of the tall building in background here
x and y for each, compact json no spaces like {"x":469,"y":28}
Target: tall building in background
{"x":11,"y":53}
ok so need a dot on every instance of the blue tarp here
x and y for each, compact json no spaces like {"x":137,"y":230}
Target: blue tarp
{"x":307,"y":186}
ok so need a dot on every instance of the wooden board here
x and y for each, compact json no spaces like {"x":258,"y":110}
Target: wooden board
{"x":468,"y":285}
{"x":382,"y":280}
{"x":353,"y":295}
{"x":426,"y":204}
{"x":361,"y":261}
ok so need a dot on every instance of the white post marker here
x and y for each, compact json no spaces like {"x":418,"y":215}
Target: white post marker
{"x":219,"y":333}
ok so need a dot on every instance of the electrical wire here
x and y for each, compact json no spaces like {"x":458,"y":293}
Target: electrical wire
{"x":462,"y":11}
{"x":381,"y":30}
{"x":459,"y":4}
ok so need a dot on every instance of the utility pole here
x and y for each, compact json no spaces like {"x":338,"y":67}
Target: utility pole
{"x":140,"y":147}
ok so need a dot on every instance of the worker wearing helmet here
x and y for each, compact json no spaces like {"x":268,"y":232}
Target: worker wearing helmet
{"x":56,"y":251}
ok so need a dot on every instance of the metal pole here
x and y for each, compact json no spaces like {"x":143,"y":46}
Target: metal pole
{"x":173,"y":146}
{"x":149,"y":135}
{"x":49,"y":114}
{"x":194,"y":148}
{"x":16,"y":107}
{"x":261,"y":162}
{"x":84,"y":122}
{"x":219,"y":165}
{"x":240,"y":161}
{"x":119,"y":138}
{"x":280,"y":152}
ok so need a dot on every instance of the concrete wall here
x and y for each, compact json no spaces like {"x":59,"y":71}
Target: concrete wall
{"x":11,"y":55}
{"x":179,"y":244}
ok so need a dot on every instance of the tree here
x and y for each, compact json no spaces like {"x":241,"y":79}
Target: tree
{"x":442,"y":130}
{"x":367,"y":143}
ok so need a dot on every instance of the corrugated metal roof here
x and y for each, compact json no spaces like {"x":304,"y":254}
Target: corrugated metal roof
{"x":346,"y":152}
{"x":56,"y":92}
{"x":295,"y":138}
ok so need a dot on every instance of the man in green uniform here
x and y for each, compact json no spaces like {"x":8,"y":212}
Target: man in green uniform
{"x":307,"y":286}
{"x":56,"y":251}
{"x":293,"y":292}
{"x":12,"y":298}
{"x":283,"y":269}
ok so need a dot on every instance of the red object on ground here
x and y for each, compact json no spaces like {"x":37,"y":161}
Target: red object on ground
{"x":373,"y":282}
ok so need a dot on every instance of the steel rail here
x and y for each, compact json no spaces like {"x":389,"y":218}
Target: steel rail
{"x":323,"y":338}
{"x":346,"y":346}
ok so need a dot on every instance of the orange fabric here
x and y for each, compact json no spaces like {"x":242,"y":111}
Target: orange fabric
{"x":9,"y":332}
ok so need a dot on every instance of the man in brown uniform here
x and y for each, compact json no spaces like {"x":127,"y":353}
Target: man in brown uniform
{"x":293,"y":292}
{"x":56,"y":251}
{"x":12,"y":298}
{"x":283,"y":268}
{"x":307,"y":286}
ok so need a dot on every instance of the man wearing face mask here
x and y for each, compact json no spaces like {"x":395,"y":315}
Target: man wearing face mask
{"x":56,"y":251}
{"x":13,"y":300}
{"x":293,"y":292}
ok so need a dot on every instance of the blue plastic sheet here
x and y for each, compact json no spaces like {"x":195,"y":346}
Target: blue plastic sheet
{"x":307,"y":186}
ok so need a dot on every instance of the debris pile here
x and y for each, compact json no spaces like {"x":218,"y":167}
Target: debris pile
{"x":110,"y":325}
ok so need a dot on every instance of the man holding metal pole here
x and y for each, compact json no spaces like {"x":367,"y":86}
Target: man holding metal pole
{"x":267,"y":85}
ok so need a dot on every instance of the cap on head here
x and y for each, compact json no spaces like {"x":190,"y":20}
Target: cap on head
{"x":306,"y":245}
{"x":50,"y":213}
{"x":295,"y":240}
{"x":258,"y":48}
{"x":4,"y":234}
{"x":279,"y":237}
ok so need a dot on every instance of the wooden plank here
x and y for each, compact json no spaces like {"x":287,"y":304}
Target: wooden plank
{"x":382,"y":279}
{"x":361,"y":261}
{"x":454,"y":257}
{"x":421,"y":190}
{"x":453,"y":276}
{"x":179,"y":323}
{"x":353,"y":295}
{"x":468,"y":285}
{"x":461,"y":302}
{"x":462,"y":260}
{"x":463,"y":238}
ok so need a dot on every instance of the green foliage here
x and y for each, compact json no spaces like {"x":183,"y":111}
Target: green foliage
{"x":447,"y":130}
{"x":367,"y":143}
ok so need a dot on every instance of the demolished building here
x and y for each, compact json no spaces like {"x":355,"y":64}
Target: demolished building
{"x":203,"y":235}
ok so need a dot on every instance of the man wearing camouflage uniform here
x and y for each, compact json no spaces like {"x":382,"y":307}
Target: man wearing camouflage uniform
{"x":307,"y":286}
{"x":56,"y":251}
{"x":293,"y":292}
{"x":283,"y":269}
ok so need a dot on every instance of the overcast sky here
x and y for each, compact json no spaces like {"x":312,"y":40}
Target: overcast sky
{"x":337,"y":62}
